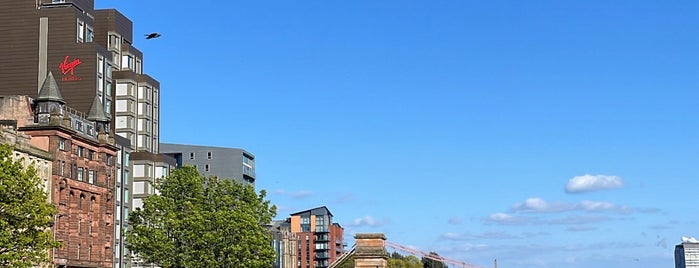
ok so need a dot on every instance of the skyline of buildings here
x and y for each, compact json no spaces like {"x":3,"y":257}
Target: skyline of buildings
{"x":69,"y":58}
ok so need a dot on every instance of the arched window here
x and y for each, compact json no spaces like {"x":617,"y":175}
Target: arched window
{"x":92,"y":203}
{"x":82,"y":198}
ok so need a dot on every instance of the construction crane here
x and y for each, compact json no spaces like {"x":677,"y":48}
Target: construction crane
{"x":431,"y":256}
{"x":350,"y":253}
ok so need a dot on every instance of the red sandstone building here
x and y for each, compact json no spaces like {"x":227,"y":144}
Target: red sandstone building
{"x":82,"y":181}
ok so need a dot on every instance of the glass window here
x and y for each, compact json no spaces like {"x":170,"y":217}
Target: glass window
{"x":80,"y":174}
{"x":139,"y":187}
{"x":81,"y":31}
{"x":61,"y":144}
{"x":91,"y":176}
{"x":90,"y":35}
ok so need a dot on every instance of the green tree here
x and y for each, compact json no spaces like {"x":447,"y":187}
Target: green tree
{"x":397,"y":260}
{"x":25,"y":215}
{"x":430,"y":263}
{"x":199,"y":221}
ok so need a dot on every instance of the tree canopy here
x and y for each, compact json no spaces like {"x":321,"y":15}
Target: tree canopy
{"x":199,"y":221}
{"x":430,"y":263}
{"x":399,"y":261}
{"x":25,"y":215}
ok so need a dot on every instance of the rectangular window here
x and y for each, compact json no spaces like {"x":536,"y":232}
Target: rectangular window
{"x":81,"y":31}
{"x":191,"y":156}
{"x":208,"y":155}
{"x":100,"y":65}
{"x":114,"y":41}
{"x":206,"y":167}
{"x":79,"y":151}
{"x":91,"y":176}
{"x":80,"y":174}
{"x":90,"y":35}
{"x":61,"y":144}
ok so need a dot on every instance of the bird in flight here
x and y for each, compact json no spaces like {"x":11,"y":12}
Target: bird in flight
{"x":152,"y":35}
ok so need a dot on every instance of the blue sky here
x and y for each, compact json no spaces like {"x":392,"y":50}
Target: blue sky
{"x":540,"y":133}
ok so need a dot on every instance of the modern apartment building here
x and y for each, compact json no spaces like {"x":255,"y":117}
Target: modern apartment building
{"x":319,"y":239}
{"x":83,"y":153}
{"x":687,"y":253}
{"x":91,"y":54}
{"x":229,"y":163}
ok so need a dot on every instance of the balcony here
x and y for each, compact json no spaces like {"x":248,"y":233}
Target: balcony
{"x":322,"y":255}
{"x":322,"y":229}
{"x":322,"y":238}
{"x":322,"y":247}
{"x":322,"y":264}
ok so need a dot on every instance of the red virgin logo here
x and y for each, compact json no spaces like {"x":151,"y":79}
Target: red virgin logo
{"x":69,"y":66}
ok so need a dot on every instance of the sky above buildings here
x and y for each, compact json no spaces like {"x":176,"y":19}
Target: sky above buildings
{"x":540,"y":133}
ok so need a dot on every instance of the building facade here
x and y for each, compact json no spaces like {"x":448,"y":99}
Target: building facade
{"x":83,"y":153}
{"x":228,"y":163}
{"x":687,"y":253}
{"x":55,"y":36}
{"x":27,"y":153}
{"x":91,"y":54}
{"x":284,"y":243}
{"x":319,"y":239}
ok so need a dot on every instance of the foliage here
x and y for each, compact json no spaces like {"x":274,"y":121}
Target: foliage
{"x":399,"y":261}
{"x":429,"y":263}
{"x":25,"y":215}
{"x":199,"y":221}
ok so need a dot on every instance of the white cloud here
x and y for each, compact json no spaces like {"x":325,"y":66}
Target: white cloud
{"x":507,"y":219}
{"x":367,"y":221}
{"x":536,"y":204}
{"x":591,"y":183}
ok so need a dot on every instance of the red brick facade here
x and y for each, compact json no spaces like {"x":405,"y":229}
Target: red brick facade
{"x":84,"y":201}
{"x":82,"y":185}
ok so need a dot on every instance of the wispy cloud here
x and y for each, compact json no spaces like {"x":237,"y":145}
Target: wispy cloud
{"x":581,"y":219}
{"x":536,"y":204}
{"x":455,"y":221}
{"x":507,"y":219}
{"x":485,"y":235}
{"x":580,"y":228}
{"x":367,"y":221}
{"x":591,"y":183}
{"x":539,"y":205}
{"x":345,"y":198}
{"x":294,"y":194}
